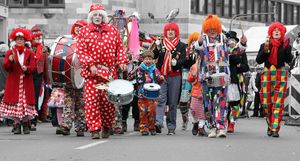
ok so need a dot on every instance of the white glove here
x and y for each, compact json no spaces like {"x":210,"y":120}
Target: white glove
{"x":173,"y":62}
{"x":157,"y":42}
{"x":49,"y":86}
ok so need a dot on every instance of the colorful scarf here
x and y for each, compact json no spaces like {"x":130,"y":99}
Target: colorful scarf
{"x":148,"y":69}
{"x":170,"y":45}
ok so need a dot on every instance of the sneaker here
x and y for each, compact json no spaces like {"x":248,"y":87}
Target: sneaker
{"x":171,"y":132}
{"x":195,"y":128}
{"x":275,"y":134}
{"x":80,"y":133}
{"x":202,"y":132}
{"x":65,"y":131}
{"x":95,"y":135}
{"x":32,"y":127}
{"x":145,"y":133}
{"x":158,"y":129}
{"x":212,"y":133}
{"x":221,"y":133}
{"x":230,"y":128}
{"x":153,"y":132}
{"x":59,"y":131}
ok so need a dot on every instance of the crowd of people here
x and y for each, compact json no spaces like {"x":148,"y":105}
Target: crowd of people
{"x":205,"y":76}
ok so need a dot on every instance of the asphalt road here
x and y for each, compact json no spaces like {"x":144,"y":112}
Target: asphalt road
{"x":248,"y":143}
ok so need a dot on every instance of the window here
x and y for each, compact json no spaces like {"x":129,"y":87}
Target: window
{"x":36,"y":3}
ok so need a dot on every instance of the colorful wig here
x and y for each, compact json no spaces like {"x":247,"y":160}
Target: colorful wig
{"x":211,"y":22}
{"x":192,"y":37}
{"x":20,"y":32}
{"x":171,"y":25}
{"x":281,"y":28}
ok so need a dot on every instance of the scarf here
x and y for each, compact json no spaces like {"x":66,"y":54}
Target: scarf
{"x":274,"y":51}
{"x":38,"y":50}
{"x":20,"y":49}
{"x":170,"y":45}
{"x":148,"y":69}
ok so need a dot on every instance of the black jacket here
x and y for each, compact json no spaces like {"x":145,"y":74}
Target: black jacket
{"x":284,"y":56}
{"x":238,"y":57}
{"x":181,"y":60}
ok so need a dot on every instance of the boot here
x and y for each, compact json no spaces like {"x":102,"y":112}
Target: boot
{"x":59,"y":131}
{"x":80,"y":133}
{"x":230,"y":128}
{"x":18,"y":128}
{"x":195,"y":128}
{"x":95,"y":135}
{"x":275,"y":134}
{"x":65,"y":131}
{"x":26,"y":128}
{"x":105,"y":132}
{"x":269,"y":132}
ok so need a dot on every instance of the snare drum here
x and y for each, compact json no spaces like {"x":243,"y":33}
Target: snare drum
{"x":120,"y":92}
{"x":151,"y":90}
{"x":218,"y":80}
{"x":64,"y":67}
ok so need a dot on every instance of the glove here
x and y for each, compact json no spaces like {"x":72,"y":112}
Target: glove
{"x":173,"y":62}
{"x":49,"y":86}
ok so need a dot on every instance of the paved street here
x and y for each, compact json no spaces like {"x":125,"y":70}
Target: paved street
{"x":248,"y":143}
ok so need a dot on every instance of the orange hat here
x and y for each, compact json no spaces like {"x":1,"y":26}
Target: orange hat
{"x":192,"y":37}
{"x":212,"y":22}
{"x":97,"y":8}
{"x":20,"y":32}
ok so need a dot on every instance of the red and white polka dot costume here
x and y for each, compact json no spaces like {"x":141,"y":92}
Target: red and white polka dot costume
{"x":99,"y":45}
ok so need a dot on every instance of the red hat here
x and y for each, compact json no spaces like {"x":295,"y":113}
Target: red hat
{"x":97,"y":8}
{"x":36,"y":31}
{"x":169,"y":26}
{"x":80,"y":23}
{"x":20,"y":32}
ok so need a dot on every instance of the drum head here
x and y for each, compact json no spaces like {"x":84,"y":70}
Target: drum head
{"x":120,"y":86}
{"x":78,"y":81}
{"x":41,"y":96}
{"x":152,"y":87}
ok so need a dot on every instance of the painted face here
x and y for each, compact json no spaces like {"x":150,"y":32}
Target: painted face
{"x":212,"y":33}
{"x":148,"y":61}
{"x":76,"y":29}
{"x":231,"y":43}
{"x":97,"y":18}
{"x":171,"y":34}
{"x":276,"y":34}
{"x":20,"y":41}
{"x":37,"y":39}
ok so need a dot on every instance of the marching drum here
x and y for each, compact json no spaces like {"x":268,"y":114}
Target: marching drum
{"x":218,"y":80}
{"x":118,"y":92}
{"x":64,"y":67}
{"x":151,"y":90}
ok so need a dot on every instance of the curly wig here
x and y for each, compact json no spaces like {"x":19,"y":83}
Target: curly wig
{"x":173,"y":26}
{"x":278,"y":25}
{"x":78,"y":23}
{"x":212,"y":22}
{"x":192,"y":37}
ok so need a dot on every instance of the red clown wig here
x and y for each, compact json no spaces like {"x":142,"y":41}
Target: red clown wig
{"x":20,"y":32}
{"x":212,"y":22}
{"x":171,"y":26}
{"x":36,"y":31}
{"x":281,"y":28}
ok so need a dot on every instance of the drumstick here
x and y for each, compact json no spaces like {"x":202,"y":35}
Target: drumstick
{"x":241,"y":27}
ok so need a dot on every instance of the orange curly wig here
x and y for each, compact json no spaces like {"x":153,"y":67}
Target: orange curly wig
{"x":192,"y":37}
{"x":212,"y":22}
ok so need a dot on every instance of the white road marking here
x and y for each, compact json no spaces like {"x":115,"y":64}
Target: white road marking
{"x":90,"y":145}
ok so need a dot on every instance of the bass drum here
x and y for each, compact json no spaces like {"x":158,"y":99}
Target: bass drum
{"x":64,"y":67}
